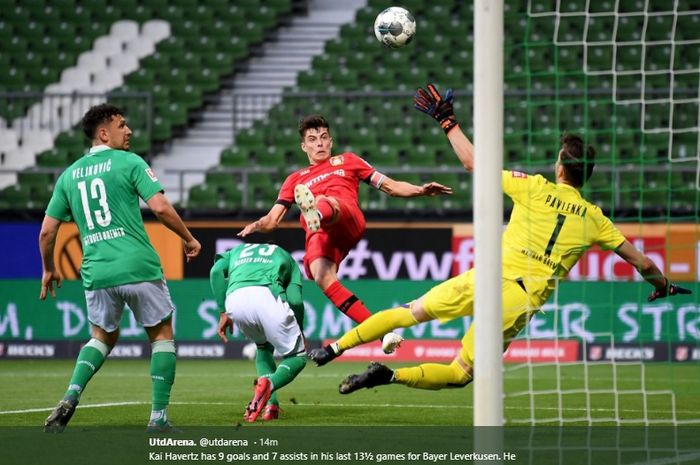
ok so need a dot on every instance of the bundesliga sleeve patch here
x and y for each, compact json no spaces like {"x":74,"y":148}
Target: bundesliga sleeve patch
{"x":519,"y":174}
{"x":376,"y":179}
{"x":151,"y":174}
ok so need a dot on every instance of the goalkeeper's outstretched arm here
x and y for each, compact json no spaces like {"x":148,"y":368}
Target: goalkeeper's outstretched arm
{"x":463,"y":148}
{"x":650,"y":272}
{"x":430,"y":102}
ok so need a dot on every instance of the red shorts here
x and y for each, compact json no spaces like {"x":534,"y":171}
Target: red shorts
{"x":336,"y":240}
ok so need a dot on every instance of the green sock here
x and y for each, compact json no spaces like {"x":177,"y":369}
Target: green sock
{"x":90,"y":359}
{"x":288,"y":369}
{"x":265,"y":365}
{"x":162,"y":373}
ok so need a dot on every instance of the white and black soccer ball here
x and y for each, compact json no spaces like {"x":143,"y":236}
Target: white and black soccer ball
{"x":395,"y":27}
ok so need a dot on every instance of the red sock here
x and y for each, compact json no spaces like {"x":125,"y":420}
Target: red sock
{"x":325,"y":208}
{"x":347,"y":302}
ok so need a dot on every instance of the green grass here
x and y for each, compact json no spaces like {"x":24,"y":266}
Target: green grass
{"x":214,"y":393}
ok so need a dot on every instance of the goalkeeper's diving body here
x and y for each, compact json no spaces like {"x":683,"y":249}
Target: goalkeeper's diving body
{"x":550,"y":227}
{"x":327,"y":195}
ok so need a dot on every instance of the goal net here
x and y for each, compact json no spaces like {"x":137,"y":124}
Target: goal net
{"x":625,"y":75}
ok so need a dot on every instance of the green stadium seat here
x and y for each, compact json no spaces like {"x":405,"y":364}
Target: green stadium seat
{"x":53,"y":158}
{"x":660,"y":27}
{"x":601,"y":6}
{"x":34,"y":179}
{"x":17,"y":195}
{"x":162,"y":129}
{"x":75,"y":14}
{"x":186,"y":30}
{"x":658,"y":57}
{"x":420,"y":156}
{"x":235,"y":157}
{"x":202,"y":196}
{"x":599,"y":58}
{"x":337,"y":47}
{"x":143,"y":78}
{"x":175,"y":114}
{"x":60,"y":60}
{"x":344,"y":79}
{"x":629,"y":28}
{"x":600,"y":28}
{"x":280,"y":6}
{"x":204,"y":79}
{"x":203,"y":44}
{"x":219,"y":31}
{"x":629,"y":58}
{"x":18,"y":14}
{"x":685,"y":146}
{"x":218,"y":63}
{"x":685,"y":86}
{"x":253,"y":32}
{"x":230,"y":196}
{"x":263,"y":16}
{"x":311,"y":80}
{"x":272,"y":156}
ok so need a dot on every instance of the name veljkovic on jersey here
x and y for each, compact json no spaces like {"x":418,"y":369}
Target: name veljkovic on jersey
{"x":104,"y":235}
{"x":243,"y":261}
{"x":566,"y":207}
{"x":323,"y":176}
{"x":92,"y":170}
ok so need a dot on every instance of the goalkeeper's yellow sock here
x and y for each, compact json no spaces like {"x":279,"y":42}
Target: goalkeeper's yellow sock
{"x":432,"y":376}
{"x":376,"y":327}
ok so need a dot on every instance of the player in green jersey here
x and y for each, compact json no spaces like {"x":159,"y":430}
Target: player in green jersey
{"x":550,"y":228}
{"x":258,"y":286}
{"x":101,"y":192}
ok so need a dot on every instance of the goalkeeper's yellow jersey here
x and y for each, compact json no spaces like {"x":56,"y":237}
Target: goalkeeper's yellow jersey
{"x":550,"y":227}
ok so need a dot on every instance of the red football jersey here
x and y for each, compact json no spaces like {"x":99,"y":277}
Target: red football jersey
{"x":338,"y":177}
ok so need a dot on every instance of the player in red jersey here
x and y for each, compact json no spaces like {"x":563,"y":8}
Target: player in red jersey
{"x":327,"y":194}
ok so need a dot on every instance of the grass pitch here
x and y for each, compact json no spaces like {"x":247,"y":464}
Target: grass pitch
{"x":215,"y":393}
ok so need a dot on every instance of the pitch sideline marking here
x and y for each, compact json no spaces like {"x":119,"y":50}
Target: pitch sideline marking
{"x":300,"y":404}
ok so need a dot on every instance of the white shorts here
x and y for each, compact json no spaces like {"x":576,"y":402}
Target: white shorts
{"x":264,"y":318}
{"x":149,"y":301}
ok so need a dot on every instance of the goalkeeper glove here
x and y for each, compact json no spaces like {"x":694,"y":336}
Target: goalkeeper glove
{"x":430,"y":102}
{"x":668,"y":289}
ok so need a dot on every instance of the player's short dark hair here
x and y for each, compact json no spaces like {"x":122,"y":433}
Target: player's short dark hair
{"x":577,"y":158}
{"x":98,"y":115}
{"x":312,"y":122}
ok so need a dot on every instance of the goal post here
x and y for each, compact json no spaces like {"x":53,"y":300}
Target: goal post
{"x":488,"y":208}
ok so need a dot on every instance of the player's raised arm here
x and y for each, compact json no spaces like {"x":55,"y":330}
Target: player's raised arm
{"x":405,"y":189}
{"x":430,"y":102}
{"x":266,"y":223}
{"x":650,"y":272}
{"x":166,"y":214}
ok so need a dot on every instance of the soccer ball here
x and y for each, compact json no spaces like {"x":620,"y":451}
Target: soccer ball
{"x":394,"y":27}
{"x":249,"y":351}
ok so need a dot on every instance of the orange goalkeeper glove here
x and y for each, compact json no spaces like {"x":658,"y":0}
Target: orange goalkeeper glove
{"x":430,"y":102}
{"x":668,"y":289}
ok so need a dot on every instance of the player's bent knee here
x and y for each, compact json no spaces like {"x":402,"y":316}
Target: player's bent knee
{"x":461,"y":377}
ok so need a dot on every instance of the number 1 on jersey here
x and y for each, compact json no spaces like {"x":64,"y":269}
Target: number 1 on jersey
{"x":555,"y":234}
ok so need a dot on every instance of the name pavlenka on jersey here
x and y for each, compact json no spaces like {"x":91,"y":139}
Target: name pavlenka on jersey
{"x":92,"y":170}
{"x":104,"y":235}
{"x":566,"y":207}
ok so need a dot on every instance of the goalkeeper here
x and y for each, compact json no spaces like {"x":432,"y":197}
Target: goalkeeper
{"x":259,"y":287}
{"x":550,"y":227}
